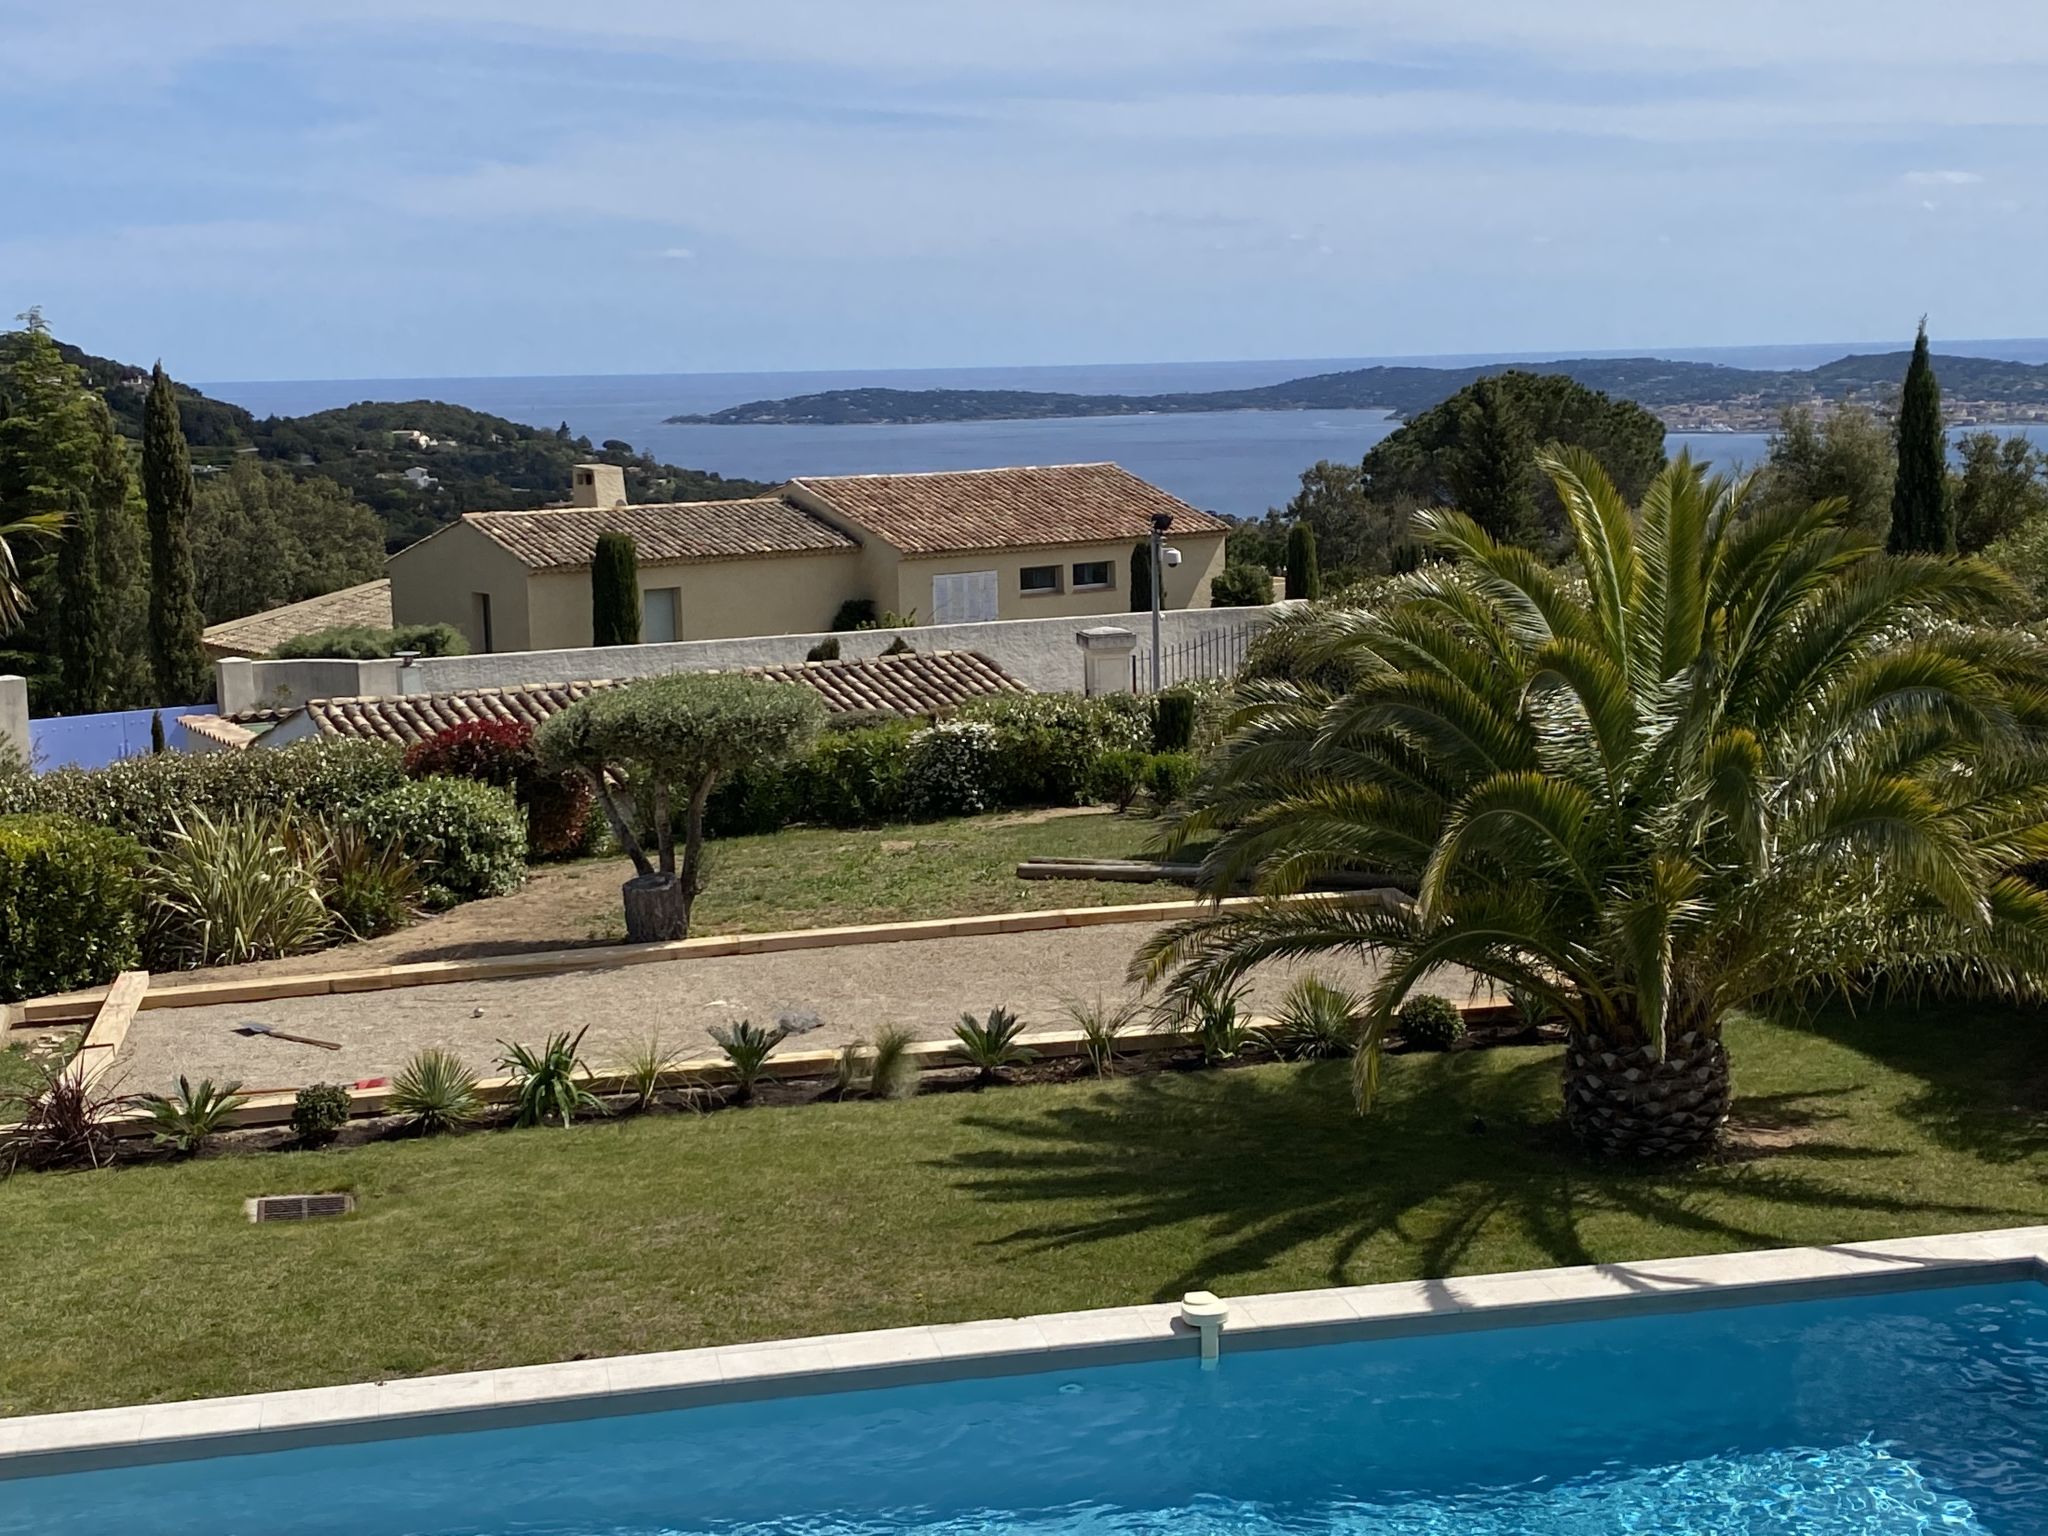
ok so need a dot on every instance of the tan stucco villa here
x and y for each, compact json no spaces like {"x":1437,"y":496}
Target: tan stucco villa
{"x":956,"y":546}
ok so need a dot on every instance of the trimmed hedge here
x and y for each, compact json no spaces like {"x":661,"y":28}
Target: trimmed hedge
{"x":469,"y":839}
{"x":140,"y":796}
{"x":70,"y":905}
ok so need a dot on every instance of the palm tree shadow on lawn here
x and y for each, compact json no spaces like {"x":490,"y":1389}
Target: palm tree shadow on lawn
{"x":1454,"y":1161}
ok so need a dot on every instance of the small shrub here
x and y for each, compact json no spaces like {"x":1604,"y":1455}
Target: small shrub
{"x":747,"y":1046}
{"x":59,"y":1122}
{"x":824,"y":650}
{"x":434,"y":1092}
{"x":644,"y":1070}
{"x":369,"y":888}
{"x":468,"y":839}
{"x":1316,"y":1021}
{"x":1430,"y":1023}
{"x":1219,"y":1022}
{"x":850,"y":778}
{"x":1100,"y":1025}
{"x":1169,"y":776}
{"x":239,"y":888}
{"x":550,"y":1083}
{"x":951,"y":769}
{"x":1241,"y":586}
{"x":1118,"y":775}
{"x":855,"y":613}
{"x":186,"y":1120}
{"x":891,"y":1071}
{"x":367,"y":642}
{"x":991,"y":1046}
{"x":319,"y":1112}
{"x":70,"y":905}
{"x":1173,"y":721}
{"x":501,"y":752}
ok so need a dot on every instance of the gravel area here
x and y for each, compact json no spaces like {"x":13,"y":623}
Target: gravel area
{"x":924,"y":984}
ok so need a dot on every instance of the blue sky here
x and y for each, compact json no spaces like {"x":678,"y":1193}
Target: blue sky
{"x":354,"y":188}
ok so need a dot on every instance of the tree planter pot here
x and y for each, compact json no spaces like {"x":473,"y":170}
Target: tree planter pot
{"x":1627,"y":1101}
{"x":657,"y":909}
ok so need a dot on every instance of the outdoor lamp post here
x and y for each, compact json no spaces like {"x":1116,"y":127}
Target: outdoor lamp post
{"x":1161,"y":521}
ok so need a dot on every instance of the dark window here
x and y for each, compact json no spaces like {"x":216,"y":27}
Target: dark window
{"x":1039,"y":578}
{"x":1091,"y":573}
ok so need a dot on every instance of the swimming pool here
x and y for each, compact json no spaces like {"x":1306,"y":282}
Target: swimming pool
{"x":1907,"y":1410}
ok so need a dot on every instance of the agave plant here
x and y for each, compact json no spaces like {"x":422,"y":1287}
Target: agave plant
{"x":435,"y":1091}
{"x":1745,"y":754}
{"x":1316,"y":1021}
{"x":551,"y":1082}
{"x":747,"y":1047}
{"x":990,"y":1046}
{"x":186,"y":1120}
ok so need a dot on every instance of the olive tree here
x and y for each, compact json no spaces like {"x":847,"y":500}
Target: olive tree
{"x":653,"y":748}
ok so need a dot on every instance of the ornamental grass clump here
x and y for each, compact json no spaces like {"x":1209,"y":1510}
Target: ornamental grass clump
{"x":1738,"y":752}
{"x":235,"y":888}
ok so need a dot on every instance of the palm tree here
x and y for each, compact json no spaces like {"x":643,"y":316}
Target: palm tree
{"x":13,"y":601}
{"x":1744,"y":754}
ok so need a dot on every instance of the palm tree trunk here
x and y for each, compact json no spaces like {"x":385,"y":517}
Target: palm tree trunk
{"x":1625,"y":1100}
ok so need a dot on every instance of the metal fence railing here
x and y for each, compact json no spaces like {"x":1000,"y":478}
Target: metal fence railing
{"x":1216,"y":654}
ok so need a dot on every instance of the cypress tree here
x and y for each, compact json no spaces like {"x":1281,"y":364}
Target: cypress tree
{"x":615,"y":590}
{"x":83,"y":626}
{"x":1304,"y":575}
{"x":1923,"y":521}
{"x":157,"y":744}
{"x":1141,"y":577}
{"x":176,"y":659}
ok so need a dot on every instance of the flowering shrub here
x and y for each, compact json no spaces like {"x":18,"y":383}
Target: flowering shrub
{"x":952,"y":769}
{"x":500,"y":752}
{"x":1047,"y":743}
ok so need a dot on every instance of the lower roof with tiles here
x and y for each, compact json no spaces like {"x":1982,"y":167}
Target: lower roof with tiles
{"x":910,"y":685}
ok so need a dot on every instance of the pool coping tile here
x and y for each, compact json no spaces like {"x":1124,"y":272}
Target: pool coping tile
{"x":32,"y":1446}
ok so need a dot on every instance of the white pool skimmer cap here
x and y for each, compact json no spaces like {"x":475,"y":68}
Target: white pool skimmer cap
{"x":1204,"y":1312}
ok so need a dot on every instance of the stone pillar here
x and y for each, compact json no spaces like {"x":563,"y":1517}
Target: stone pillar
{"x":14,"y":718}
{"x":235,"y":684}
{"x":1106,"y":653}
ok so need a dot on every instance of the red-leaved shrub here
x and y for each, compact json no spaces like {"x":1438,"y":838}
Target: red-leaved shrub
{"x":500,"y":752}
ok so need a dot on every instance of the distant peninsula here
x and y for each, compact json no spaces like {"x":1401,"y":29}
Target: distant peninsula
{"x":1688,"y":396}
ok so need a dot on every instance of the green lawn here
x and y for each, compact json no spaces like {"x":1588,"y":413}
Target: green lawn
{"x":818,"y":877}
{"x":673,"y":1231}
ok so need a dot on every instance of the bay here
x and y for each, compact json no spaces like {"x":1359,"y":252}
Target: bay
{"x":1236,"y":462}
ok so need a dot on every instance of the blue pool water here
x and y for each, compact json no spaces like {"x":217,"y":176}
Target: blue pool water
{"x":1918,"y":1411}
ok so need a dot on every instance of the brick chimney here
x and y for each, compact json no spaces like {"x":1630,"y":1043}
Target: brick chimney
{"x":597,"y":485}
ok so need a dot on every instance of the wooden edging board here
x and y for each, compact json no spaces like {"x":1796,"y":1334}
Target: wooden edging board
{"x":71,"y":1007}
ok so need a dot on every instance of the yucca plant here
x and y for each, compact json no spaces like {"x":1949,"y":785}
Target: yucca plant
{"x":1100,"y":1025}
{"x":1745,"y":754}
{"x":1316,"y":1021}
{"x":435,"y":1091}
{"x":991,"y":1045}
{"x":234,"y":888}
{"x":550,"y":1082}
{"x":186,"y":1120}
{"x":747,"y":1047}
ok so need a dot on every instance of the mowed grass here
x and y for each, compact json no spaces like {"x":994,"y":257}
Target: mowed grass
{"x":814,"y":877}
{"x":145,"y":1283}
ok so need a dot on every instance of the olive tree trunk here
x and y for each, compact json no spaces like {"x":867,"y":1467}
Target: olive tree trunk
{"x":1625,"y":1100}
{"x":657,"y":908}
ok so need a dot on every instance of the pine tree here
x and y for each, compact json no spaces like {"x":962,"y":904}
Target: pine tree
{"x":1141,"y":577}
{"x":1304,"y":575}
{"x":176,"y":657}
{"x":1923,"y":521}
{"x":1493,"y":473}
{"x":615,"y":591}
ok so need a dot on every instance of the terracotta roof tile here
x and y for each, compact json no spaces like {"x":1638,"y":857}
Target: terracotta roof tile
{"x":909,"y":685}
{"x":258,"y":634}
{"x":956,"y":510}
{"x":666,"y":532}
